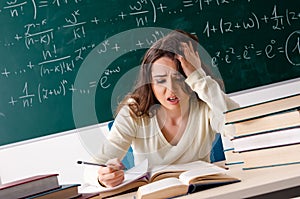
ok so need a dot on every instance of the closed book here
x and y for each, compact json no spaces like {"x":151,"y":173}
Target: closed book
{"x":271,"y":157}
{"x":29,"y":186}
{"x":231,"y":158}
{"x":66,"y":191}
{"x":266,"y":140}
{"x":262,"y":109}
{"x":281,"y":120}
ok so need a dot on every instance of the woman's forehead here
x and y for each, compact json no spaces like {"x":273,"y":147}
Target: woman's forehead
{"x":164,"y":65}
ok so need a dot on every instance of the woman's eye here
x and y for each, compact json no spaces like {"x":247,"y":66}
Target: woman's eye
{"x":160,"y":81}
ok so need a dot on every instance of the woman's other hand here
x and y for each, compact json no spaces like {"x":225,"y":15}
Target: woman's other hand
{"x":191,"y":60}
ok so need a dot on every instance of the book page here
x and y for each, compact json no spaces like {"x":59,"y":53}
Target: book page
{"x":187,"y":176}
{"x":159,"y":185}
{"x":165,"y":188}
{"x":176,"y":168}
{"x":130,"y":175}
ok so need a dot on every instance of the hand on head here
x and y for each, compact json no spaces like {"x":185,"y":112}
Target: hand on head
{"x":113,"y":174}
{"x":191,"y":60}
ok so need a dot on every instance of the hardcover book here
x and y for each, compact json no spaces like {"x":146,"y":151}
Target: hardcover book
{"x":266,"y":140}
{"x":278,"y":121}
{"x":29,"y":186}
{"x":270,"y":157}
{"x":263,"y":109}
{"x":65,"y":191}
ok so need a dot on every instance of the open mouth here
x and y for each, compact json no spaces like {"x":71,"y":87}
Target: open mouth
{"x":173,"y":99}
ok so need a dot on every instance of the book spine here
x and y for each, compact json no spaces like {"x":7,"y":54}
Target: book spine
{"x":264,"y":115}
{"x":270,"y":147}
{"x":263,"y":132}
{"x":265,"y":102}
{"x":268,"y":166}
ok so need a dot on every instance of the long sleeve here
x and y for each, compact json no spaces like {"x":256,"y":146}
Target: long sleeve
{"x":119,"y":138}
{"x":114,"y":145}
{"x":209,"y":91}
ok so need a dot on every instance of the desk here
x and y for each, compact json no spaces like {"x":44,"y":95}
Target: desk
{"x":253,"y":183}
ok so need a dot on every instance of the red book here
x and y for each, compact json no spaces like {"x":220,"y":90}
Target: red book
{"x":29,"y":186}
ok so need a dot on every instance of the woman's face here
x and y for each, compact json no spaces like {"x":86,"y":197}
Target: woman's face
{"x":167,"y":84}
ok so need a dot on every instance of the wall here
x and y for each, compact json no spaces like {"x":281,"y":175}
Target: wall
{"x":59,"y":153}
{"x":51,"y":154}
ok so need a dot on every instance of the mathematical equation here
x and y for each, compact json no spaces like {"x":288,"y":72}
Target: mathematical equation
{"x":253,"y":22}
{"x":31,"y":95}
{"x":290,"y":49}
{"x":18,"y":8}
{"x":146,"y":11}
{"x":202,"y":4}
{"x":56,"y":65}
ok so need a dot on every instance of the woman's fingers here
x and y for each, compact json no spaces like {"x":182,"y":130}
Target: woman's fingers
{"x":191,"y":60}
{"x":118,"y":179}
{"x":115,"y":163}
{"x":110,"y":177}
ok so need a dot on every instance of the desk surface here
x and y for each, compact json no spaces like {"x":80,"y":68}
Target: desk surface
{"x":253,"y":182}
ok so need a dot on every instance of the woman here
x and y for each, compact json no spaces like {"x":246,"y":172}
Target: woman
{"x":173,"y":113}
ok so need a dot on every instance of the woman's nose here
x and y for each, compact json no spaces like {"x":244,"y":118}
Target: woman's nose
{"x":171,"y":84}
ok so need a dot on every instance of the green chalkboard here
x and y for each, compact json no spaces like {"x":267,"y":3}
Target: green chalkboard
{"x":66,"y":63}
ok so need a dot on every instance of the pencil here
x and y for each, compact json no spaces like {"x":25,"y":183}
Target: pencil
{"x":91,"y":163}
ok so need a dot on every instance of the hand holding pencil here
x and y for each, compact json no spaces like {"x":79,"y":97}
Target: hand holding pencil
{"x":111,"y":174}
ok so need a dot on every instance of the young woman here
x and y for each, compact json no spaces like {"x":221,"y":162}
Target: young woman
{"x":173,"y":113}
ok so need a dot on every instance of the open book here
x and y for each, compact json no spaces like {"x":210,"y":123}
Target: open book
{"x":171,"y":182}
{"x":194,"y":174}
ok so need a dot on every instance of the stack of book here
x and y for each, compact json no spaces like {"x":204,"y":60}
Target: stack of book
{"x":231,"y":157}
{"x":41,"y":187}
{"x":267,"y":134}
